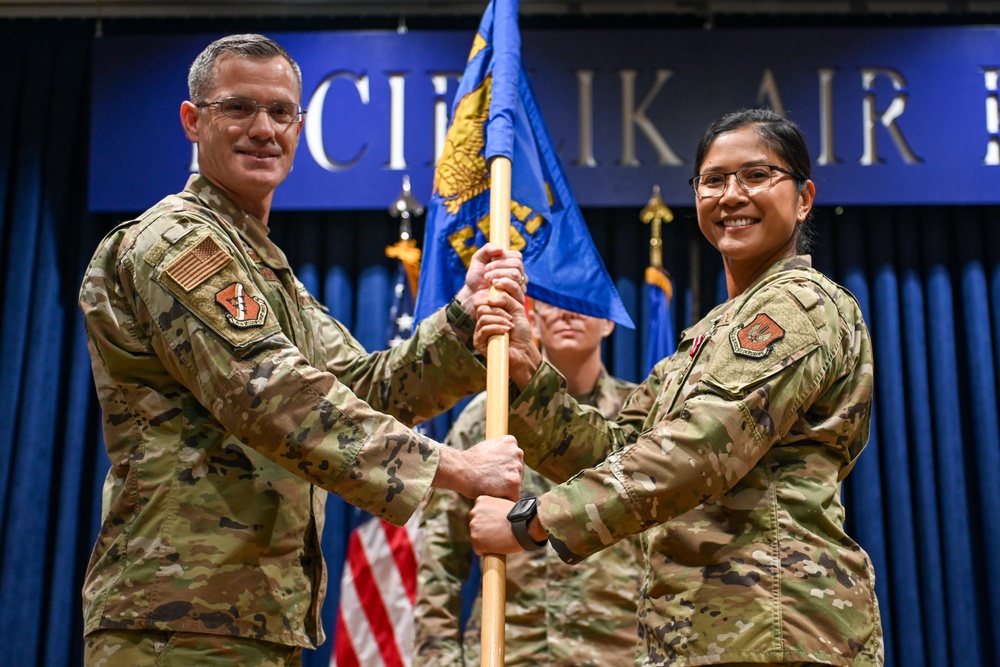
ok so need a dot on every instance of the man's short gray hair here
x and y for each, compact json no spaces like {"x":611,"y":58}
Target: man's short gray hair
{"x":201,"y":76}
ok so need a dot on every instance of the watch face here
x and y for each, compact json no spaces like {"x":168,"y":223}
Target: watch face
{"x":522,"y":509}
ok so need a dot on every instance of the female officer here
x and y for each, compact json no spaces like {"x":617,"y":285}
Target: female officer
{"x":733,"y":449}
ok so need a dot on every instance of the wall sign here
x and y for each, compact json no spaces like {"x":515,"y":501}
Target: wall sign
{"x":892,"y":116}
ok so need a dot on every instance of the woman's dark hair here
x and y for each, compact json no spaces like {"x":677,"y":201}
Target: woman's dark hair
{"x":781,"y":136}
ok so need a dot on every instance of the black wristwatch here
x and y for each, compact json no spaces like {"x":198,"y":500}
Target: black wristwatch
{"x":520,"y":515}
{"x":459,"y":318}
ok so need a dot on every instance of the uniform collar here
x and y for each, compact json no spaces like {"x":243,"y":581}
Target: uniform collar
{"x":787,"y":264}
{"x":251,"y":230}
{"x":603,"y":390}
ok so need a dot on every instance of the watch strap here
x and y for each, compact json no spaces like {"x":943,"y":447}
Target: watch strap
{"x":520,"y":530}
{"x":459,"y":318}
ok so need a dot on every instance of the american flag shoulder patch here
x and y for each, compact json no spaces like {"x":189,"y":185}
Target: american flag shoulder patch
{"x":197,"y":264}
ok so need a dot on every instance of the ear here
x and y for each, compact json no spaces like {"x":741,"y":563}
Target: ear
{"x":189,"y":120}
{"x":607,"y":328}
{"x":806,"y":198}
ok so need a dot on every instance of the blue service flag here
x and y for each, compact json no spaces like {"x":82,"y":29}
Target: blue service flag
{"x":495,"y":114}
{"x":660,"y":342}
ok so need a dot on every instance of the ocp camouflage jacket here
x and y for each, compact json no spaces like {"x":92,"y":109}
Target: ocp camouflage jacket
{"x":557,"y":615}
{"x":231,"y":400}
{"x":733,"y":451}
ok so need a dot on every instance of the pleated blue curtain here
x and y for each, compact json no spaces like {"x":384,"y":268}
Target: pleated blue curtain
{"x":626,"y":343}
{"x":982,"y":410}
{"x":924,"y":500}
{"x":49,"y":452}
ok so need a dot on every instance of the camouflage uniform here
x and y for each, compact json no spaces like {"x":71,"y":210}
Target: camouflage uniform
{"x":736,"y":449}
{"x":232,"y":403}
{"x":557,"y":615}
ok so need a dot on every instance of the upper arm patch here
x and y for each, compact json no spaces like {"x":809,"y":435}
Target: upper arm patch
{"x":197,"y":264}
{"x":773,"y":334}
{"x":212,"y":285}
{"x":241,"y":308}
{"x":756,"y":339}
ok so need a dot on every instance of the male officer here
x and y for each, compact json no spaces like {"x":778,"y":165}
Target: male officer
{"x":232,"y":402}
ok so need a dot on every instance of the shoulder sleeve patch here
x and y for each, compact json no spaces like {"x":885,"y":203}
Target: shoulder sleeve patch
{"x":772,"y":335}
{"x":198,"y":264}
{"x":756,"y":339}
{"x":212,"y":284}
{"x":241,"y":308}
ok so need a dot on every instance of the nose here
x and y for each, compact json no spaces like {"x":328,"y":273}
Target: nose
{"x":733,"y":189}
{"x":262,"y":125}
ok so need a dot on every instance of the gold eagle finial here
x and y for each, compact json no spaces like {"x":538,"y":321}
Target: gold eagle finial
{"x":655,"y":213}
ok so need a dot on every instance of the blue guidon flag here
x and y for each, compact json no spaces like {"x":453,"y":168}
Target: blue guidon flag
{"x":495,"y":114}
{"x":659,"y":292}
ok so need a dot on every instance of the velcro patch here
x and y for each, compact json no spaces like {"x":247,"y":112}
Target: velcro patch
{"x":198,"y":264}
{"x":242,"y":310}
{"x":757,"y":339}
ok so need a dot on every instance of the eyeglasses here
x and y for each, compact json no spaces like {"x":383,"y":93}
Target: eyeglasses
{"x":751,"y":179}
{"x":282,"y":113}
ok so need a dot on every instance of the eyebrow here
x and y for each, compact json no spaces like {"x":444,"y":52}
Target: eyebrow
{"x":751,"y":163}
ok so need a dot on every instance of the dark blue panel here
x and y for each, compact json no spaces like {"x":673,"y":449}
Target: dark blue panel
{"x":908,"y":87}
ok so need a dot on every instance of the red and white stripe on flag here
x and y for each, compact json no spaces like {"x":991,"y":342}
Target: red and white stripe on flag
{"x":377,"y":593}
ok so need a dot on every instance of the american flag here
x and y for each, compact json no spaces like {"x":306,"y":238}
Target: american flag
{"x":379,"y":582}
{"x":377,"y":593}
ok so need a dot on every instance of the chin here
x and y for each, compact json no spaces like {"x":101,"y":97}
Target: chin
{"x":268,"y":179}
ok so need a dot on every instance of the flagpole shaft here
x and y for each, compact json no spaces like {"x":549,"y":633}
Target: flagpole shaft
{"x":494,"y":566}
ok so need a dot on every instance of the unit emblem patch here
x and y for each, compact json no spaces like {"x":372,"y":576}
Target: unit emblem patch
{"x":757,"y":339}
{"x":242,"y":310}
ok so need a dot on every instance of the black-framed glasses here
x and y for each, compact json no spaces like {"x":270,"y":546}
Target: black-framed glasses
{"x":751,"y":179}
{"x":282,"y":113}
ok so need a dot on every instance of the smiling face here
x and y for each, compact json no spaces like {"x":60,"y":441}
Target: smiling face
{"x":751,"y":230}
{"x":246,"y":158}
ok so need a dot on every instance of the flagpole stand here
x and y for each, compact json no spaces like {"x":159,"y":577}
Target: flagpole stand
{"x":494,"y":566}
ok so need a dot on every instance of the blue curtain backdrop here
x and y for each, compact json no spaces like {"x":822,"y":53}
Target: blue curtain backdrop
{"x":924,"y":499}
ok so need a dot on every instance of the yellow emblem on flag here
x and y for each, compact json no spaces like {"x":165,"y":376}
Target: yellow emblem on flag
{"x":461,"y":172}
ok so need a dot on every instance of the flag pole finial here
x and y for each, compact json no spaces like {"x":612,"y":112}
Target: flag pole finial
{"x":655,"y":213}
{"x":405,"y":207}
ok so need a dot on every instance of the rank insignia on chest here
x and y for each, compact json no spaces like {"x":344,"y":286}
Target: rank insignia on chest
{"x":756,"y":339}
{"x":242,"y":310}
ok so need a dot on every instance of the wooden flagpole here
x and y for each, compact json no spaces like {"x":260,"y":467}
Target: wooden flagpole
{"x":494,"y":590}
